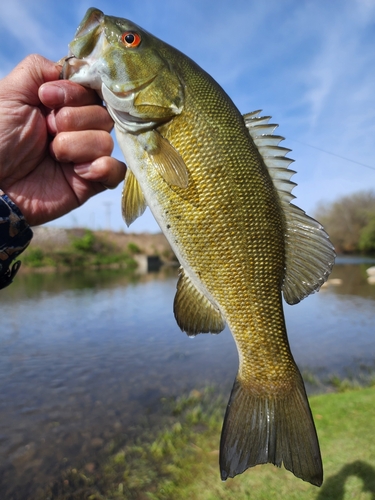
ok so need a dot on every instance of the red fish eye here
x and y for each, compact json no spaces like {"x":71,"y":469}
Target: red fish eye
{"x":130,"y":39}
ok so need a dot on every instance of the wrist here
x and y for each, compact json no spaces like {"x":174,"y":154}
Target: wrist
{"x":15,"y":235}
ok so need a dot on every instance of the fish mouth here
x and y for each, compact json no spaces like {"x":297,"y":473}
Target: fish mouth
{"x":93,"y":19}
{"x":82,"y":49}
{"x":70,"y":65}
{"x":66,"y":70}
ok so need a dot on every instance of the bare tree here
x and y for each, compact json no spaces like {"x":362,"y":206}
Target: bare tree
{"x":349,"y":220}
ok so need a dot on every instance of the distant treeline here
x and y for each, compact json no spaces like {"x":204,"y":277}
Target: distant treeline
{"x":350,"y":222}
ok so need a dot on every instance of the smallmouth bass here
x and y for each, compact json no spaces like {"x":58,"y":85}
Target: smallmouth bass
{"x":218,"y":184}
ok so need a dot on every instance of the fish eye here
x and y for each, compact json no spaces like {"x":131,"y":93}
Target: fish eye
{"x":130,"y":39}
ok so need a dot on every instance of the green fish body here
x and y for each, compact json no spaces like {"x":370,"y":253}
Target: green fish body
{"x":219,"y":186}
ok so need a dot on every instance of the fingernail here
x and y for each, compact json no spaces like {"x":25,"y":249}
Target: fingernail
{"x":82,"y":168}
{"x":52,"y":95}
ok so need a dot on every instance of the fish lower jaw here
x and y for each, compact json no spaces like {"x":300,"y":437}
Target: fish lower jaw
{"x":79,"y":71}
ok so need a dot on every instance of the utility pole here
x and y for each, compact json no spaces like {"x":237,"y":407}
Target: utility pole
{"x":108,"y":205}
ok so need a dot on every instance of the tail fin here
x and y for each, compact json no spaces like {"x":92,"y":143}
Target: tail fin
{"x":260,"y":429}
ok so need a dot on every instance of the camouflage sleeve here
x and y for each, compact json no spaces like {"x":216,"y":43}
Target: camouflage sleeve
{"x":15,"y":235}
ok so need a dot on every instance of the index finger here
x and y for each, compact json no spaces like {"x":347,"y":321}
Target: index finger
{"x":61,"y":93}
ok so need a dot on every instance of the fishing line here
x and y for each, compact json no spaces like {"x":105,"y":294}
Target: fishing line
{"x":333,"y":154}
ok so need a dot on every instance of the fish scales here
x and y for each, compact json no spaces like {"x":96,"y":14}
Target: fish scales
{"x":195,"y":225}
{"x":219,"y":187}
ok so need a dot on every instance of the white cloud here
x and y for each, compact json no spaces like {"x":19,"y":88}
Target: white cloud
{"x":366,"y":9}
{"x":341,"y":75}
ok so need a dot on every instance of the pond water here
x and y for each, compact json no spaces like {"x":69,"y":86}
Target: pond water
{"x":87,"y":358}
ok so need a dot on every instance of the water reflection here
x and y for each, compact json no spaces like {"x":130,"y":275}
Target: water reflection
{"x":85,"y":359}
{"x":332,"y":332}
{"x":353,"y":274}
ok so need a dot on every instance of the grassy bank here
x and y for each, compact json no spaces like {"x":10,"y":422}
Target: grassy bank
{"x":181,"y":461}
{"x":53,"y":248}
{"x":83,"y":249}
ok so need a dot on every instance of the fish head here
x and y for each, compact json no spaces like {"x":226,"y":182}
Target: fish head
{"x":125,"y":65}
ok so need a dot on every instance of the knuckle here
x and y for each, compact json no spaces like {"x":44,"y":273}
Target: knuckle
{"x":82,"y":145}
{"x":83,"y":118}
{"x":62,"y":146}
{"x":64,"y":119}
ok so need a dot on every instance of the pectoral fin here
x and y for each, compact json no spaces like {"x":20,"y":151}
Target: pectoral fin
{"x":133,"y":201}
{"x":165,"y":158}
{"x":194,"y":313}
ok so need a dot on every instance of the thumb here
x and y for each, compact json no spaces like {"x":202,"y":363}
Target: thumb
{"x":23,"y":82}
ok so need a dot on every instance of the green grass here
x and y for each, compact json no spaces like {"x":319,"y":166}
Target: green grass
{"x":83,"y":251}
{"x":181,"y":462}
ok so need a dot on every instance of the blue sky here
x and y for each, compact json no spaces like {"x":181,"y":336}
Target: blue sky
{"x":308,"y":64}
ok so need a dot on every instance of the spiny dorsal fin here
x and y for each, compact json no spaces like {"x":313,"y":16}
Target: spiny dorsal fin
{"x":133,"y":201}
{"x":194,"y":313}
{"x":309,"y":253}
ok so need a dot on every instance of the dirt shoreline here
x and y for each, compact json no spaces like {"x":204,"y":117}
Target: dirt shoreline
{"x":54,"y":237}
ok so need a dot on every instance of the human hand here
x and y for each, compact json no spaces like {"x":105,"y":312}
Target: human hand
{"x":55,"y":142}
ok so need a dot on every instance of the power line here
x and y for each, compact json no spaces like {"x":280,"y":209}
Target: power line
{"x":333,"y":154}
{"x":107,"y":205}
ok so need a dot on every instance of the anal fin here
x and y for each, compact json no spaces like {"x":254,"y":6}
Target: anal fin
{"x":194,"y":313}
{"x":261,"y":429}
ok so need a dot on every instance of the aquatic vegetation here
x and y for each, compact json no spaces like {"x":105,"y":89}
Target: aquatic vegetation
{"x":180,"y":461}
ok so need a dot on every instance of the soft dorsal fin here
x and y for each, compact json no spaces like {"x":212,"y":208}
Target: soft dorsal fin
{"x":309,"y":253}
{"x":194,"y":313}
